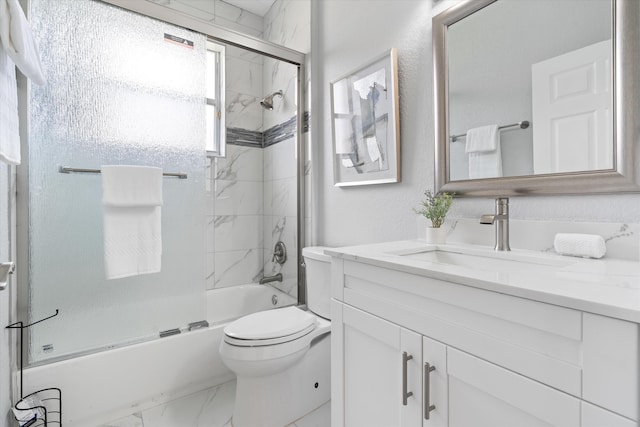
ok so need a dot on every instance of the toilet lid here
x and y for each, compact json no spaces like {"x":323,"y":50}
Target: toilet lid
{"x":269,"y":324}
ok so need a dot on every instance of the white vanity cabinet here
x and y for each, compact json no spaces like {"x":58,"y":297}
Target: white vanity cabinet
{"x":373,"y":374}
{"x":499,"y":360}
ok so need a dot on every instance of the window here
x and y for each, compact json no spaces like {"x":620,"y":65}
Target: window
{"x":215,"y":101}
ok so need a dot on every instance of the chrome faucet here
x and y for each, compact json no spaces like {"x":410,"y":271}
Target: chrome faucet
{"x":269,"y":279}
{"x":501,"y":220}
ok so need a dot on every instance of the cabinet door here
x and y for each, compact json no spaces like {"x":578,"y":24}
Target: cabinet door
{"x":611,"y":364}
{"x":369,"y":353}
{"x":485,"y":395}
{"x":435,"y":407}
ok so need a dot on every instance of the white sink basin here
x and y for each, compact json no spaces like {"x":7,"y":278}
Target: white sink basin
{"x":489,"y":261}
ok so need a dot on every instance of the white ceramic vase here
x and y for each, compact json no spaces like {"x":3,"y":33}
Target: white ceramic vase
{"x":436,"y":236}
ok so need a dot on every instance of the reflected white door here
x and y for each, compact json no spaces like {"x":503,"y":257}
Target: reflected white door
{"x":572,"y":111}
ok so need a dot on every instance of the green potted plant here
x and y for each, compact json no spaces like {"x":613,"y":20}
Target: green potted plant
{"x":435,"y":207}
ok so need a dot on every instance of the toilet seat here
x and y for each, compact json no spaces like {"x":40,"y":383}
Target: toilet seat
{"x":241,"y":342}
{"x":270,"y":327}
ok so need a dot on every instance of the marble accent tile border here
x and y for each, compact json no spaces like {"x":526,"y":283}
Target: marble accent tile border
{"x":279,"y":132}
{"x":284,"y":130}
{"x":243,"y":137}
{"x":273,"y":135}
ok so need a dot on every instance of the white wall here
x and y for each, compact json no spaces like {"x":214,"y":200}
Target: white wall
{"x":345,"y":35}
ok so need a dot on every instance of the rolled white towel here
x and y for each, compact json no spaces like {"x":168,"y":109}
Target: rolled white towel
{"x":580,"y":245}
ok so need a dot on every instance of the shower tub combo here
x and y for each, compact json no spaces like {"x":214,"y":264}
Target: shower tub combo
{"x":151,"y":121}
{"x":153,"y":372}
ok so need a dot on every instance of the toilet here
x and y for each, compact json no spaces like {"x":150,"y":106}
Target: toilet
{"x":281,"y":357}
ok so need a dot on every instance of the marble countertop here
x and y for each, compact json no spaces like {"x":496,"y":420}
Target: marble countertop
{"x":609,"y":287}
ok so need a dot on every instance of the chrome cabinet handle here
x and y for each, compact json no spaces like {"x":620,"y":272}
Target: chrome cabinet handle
{"x":428,"y":407}
{"x":405,"y":394}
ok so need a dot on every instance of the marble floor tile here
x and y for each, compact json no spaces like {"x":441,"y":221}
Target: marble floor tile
{"x":208,"y":408}
{"x":321,"y":417}
{"x":134,"y":420}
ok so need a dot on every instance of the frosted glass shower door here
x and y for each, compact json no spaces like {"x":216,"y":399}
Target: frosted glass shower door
{"x":121,"y":89}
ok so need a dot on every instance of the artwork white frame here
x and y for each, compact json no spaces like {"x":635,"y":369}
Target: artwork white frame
{"x":365,"y":124}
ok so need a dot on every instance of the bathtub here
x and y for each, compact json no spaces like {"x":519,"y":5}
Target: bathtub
{"x":105,"y":386}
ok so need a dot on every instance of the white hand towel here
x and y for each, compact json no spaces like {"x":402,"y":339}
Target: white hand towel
{"x":132,"y":200}
{"x":483,"y":148}
{"x":131,"y":186}
{"x":18,"y":41}
{"x":29,"y":409}
{"x":580,"y":245}
{"x":9,"y":126}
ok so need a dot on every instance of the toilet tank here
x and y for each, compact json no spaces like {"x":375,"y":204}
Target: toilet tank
{"x":318,"y":275}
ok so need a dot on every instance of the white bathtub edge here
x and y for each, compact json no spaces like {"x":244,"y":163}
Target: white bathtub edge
{"x":102,"y":387}
{"x":99,"y":387}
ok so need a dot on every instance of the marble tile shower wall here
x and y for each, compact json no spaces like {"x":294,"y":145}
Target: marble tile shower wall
{"x":280,"y":212}
{"x":252,"y":194}
{"x":242,"y":223}
{"x":252,"y":205}
{"x":287,"y":23}
{"x":220,"y":13}
{"x":244,"y":90}
{"x":235,"y":183}
{"x":235,"y":229}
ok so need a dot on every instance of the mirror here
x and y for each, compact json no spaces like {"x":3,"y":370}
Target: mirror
{"x":535,"y":97}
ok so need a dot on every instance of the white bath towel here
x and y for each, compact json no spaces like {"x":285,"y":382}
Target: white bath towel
{"x":17,"y":47}
{"x":16,"y":37}
{"x":9,"y":126}
{"x":132,"y":200}
{"x":483,"y":148}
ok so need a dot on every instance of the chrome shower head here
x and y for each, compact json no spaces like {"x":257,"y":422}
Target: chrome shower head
{"x":267,"y":101}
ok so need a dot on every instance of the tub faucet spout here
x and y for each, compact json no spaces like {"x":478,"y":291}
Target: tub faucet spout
{"x":269,"y":279}
{"x":501,"y":221}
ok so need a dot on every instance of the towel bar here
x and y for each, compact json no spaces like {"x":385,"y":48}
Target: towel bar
{"x":67,"y":169}
{"x":522,"y":125}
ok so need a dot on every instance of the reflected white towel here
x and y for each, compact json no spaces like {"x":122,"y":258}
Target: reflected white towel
{"x":18,"y":41}
{"x":9,"y":127}
{"x":132,"y":200}
{"x":483,"y":148}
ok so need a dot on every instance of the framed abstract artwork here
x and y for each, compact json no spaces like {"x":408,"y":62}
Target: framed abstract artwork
{"x":366,"y":128}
